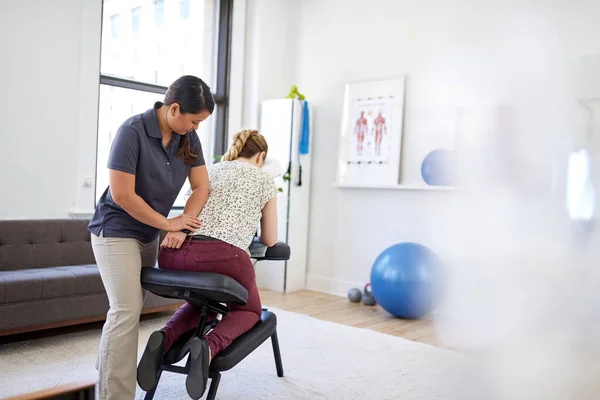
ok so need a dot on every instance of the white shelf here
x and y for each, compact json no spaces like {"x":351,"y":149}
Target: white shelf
{"x":414,"y":186}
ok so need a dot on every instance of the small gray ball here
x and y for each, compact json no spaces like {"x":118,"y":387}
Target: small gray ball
{"x":354,"y":295}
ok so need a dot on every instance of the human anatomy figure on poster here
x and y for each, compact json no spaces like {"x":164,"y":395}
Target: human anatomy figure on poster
{"x":379,"y":129}
{"x":369,"y":131}
{"x":360,"y":130}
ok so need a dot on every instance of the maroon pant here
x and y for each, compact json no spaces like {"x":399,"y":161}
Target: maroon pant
{"x":219,"y":257}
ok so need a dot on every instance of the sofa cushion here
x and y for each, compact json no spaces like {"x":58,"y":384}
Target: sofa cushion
{"x":46,"y":283}
{"x":28,"y":244}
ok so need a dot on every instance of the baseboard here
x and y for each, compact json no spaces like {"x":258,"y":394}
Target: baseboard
{"x":339,"y":287}
{"x":325,"y":284}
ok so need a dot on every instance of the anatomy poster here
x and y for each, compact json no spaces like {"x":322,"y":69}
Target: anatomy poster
{"x":369,"y":152}
{"x":369,"y":131}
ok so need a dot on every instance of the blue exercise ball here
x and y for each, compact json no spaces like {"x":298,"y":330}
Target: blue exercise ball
{"x":438,"y":168}
{"x":407,"y":280}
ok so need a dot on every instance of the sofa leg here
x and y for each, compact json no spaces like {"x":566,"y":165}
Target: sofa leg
{"x":214,"y":385}
{"x":150,"y":393}
{"x":277,"y":354}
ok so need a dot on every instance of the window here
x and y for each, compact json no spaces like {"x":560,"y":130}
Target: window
{"x":137,"y":68}
{"x":114,"y":26}
{"x":184,"y":9}
{"x":135,"y":19}
{"x":159,"y":13}
{"x":580,"y":191}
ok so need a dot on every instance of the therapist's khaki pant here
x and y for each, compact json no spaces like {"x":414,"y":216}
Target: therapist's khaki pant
{"x":120,"y":261}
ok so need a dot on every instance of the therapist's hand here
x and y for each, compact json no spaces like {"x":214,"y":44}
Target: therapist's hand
{"x":182,"y":222}
{"x":173,"y":240}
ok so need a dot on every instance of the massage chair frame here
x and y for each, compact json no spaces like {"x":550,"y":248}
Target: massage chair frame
{"x":216,"y":291}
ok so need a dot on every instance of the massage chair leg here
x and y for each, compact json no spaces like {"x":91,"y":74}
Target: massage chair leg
{"x":277,"y":354}
{"x":215,"y":378}
{"x":150,"y":394}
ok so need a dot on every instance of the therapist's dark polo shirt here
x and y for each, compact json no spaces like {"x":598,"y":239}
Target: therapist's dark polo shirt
{"x":159,"y":175}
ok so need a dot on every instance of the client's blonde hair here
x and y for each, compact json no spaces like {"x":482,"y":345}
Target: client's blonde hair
{"x":246,"y":143}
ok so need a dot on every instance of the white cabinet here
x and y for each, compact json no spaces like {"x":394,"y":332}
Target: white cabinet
{"x":281,"y":123}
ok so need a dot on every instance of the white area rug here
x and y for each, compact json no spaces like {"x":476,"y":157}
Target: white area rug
{"x":321,"y":360}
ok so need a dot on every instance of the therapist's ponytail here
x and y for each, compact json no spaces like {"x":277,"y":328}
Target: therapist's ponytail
{"x":185,"y":150}
{"x":246,"y":143}
{"x":193,"y":96}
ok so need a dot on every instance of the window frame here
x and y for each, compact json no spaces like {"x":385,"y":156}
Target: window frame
{"x":220,"y":91}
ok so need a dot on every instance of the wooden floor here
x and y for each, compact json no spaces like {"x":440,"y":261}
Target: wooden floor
{"x":339,"y":309}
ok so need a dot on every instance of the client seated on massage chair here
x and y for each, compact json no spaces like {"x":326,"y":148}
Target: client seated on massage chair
{"x":242,"y":195}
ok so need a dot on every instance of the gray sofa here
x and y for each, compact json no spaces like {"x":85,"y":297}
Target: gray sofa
{"x":48,"y":277}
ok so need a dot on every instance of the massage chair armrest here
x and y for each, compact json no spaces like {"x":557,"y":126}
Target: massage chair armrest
{"x":278,"y":252}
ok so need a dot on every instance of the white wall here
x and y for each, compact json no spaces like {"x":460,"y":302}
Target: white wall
{"x":270,"y":54}
{"x":41,"y":110}
{"x":459,"y":53}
